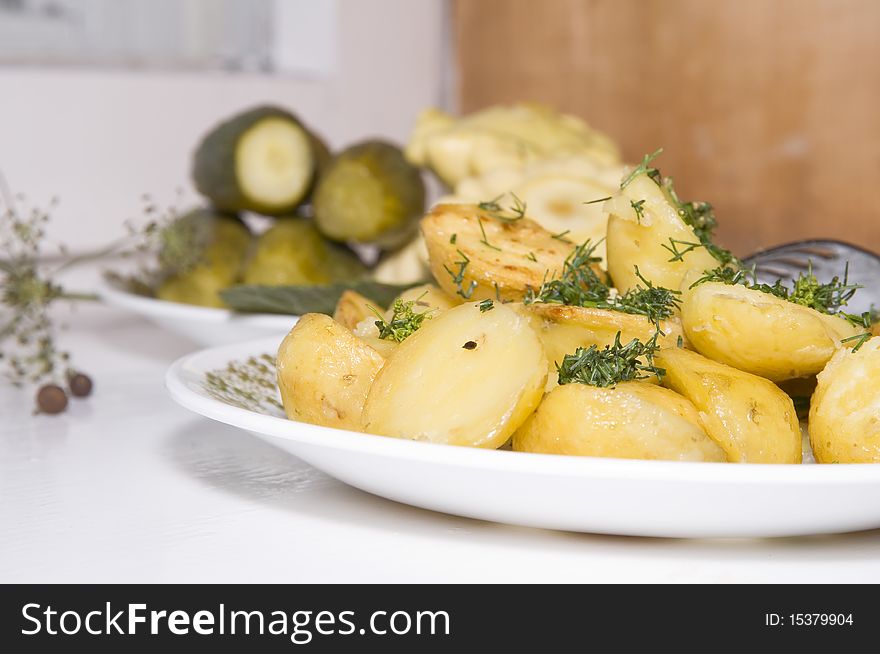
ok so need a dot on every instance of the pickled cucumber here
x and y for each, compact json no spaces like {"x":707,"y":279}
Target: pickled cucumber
{"x":201,"y":254}
{"x":294,"y":252}
{"x":369,"y":194}
{"x":263,"y":160}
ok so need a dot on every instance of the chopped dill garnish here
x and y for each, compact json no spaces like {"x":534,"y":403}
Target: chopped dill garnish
{"x":580,"y":286}
{"x":644,"y":169}
{"x":597,"y":200}
{"x":611,"y":365}
{"x":404,"y":321}
{"x":859,"y":339}
{"x":458,"y":277}
{"x":806,"y":291}
{"x":484,"y":240}
{"x":486,"y":305}
{"x":639,"y":208}
{"x":531,"y":256}
{"x":453,"y":239}
{"x":250,"y":384}
{"x":561,"y":236}
{"x":516,"y":211}
{"x":678,"y":254}
{"x":654,"y":302}
{"x":700,"y":217}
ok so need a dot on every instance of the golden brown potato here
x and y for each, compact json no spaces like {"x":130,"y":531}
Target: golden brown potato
{"x":466,"y":377}
{"x":760,"y":333}
{"x":632,"y":420}
{"x":563,"y":329}
{"x":845,"y":411}
{"x":353,"y":307}
{"x":325,"y":372}
{"x":638,"y":241}
{"x":748,"y":416}
{"x":512,"y":257}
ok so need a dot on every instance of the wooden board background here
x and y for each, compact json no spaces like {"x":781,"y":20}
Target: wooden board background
{"x":770,"y":109}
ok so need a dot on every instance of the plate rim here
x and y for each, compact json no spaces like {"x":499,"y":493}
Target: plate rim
{"x":117,"y":297}
{"x":497,"y":460}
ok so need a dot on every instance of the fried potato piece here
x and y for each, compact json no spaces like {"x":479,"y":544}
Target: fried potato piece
{"x":494,"y":259}
{"x":760,"y":333}
{"x":635,"y":240}
{"x":467,"y":377}
{"x":632,"y":420}
{"x":751,"y":418}
{"x":845,"y":411}
{"x":325,"y":373}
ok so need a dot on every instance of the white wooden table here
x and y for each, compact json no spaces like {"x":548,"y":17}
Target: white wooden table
{"x":129,"y":487}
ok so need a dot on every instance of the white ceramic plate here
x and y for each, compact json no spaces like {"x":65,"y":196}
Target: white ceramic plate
{"x":202,"y":325}
{"x":610,"y":496}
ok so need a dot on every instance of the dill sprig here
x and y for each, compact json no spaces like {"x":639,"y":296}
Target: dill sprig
{"x":404,"y":321}
{"x":28,"y":291}
{"x":611,"y":365}
{"x":486,"y":305}
{"x":458,"y":277}
{"x":516,"y":210}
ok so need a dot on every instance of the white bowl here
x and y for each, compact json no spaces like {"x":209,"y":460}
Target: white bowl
{"x":610,"y":496}
{"x":202,"y":325}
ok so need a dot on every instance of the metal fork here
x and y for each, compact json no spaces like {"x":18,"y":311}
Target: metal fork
{"x":828,"y":259}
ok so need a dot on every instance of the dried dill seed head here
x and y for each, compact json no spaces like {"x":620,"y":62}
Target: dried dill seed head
{"x":27,"y":291}
{"x":611,"y":365}
{"x":250,"y":384}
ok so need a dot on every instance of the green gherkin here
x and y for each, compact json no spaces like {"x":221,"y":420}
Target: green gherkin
{"x":294,"y":252}
{"x":202,"y":253}
{"x":262,"y":160}
{"x":369,"y":194}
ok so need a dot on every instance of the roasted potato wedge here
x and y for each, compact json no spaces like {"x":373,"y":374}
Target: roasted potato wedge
{"x":466,"y":377}
{"x":325,"y":372}
{"x":751,"y":418}
{"x":845,"y":411}
{"x":760,"y":333}
{"x":500,"y":260}
{"x":635,"y":240}
{"x":562,"y":329}
{"x":632,"y":420}
{"x":352,"y":308}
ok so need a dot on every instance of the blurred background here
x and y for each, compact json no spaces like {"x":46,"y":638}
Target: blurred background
{"x":766,"y":108}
